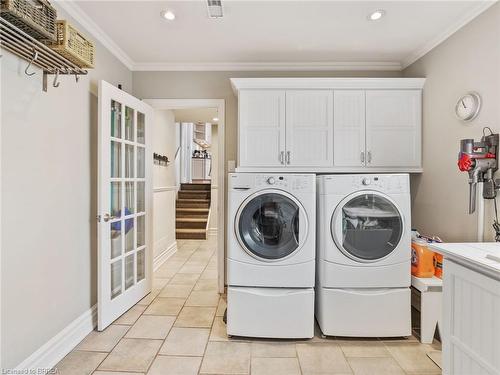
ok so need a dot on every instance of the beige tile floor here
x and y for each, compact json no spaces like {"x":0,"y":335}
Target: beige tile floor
{"x":178,"y":329}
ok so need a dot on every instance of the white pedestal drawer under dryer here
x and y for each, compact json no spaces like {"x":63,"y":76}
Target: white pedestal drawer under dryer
{"x":271,"y":255}
{"x":363,"y":255}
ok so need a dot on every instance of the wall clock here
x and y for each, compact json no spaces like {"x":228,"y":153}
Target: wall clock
{"x":468,"y":106}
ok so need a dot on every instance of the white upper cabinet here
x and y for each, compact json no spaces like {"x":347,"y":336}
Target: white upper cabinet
{"x":309,"y":128}
{"x":393,"y":128}
{"x":261,"y":128}
{"x":329,"y":125}
{"x":349,"y":128}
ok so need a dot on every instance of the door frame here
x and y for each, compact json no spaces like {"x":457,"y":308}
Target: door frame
{"x":172,"y":104}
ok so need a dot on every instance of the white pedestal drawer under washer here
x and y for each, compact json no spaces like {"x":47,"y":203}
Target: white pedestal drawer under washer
{"x":363,"y":258}
{"x":271,"y":255}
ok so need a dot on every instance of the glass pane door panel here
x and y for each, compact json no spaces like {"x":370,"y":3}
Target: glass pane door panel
{"x":269,"y":226}
{"x":116,"y":199}
{"x":129,"y":124}
{"x":116,"y":159}
{"x":141,"y":128}
{"x":116,"y":278}
{"x":116,"y":119}
{"x":129,"y":161}
{"x":141,"y":196}
{"x":141,"y":264}
{"x":129,"y":198}
{"x":141,"y":235}
{"x":141,"y":162}
{"x":371,"y":227}
{"x":129,"y":271}
{"x":116,"y":239}
{"x":129,"y":235}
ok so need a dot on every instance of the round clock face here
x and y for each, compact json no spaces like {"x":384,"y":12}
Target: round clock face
{"x":468,"y":106}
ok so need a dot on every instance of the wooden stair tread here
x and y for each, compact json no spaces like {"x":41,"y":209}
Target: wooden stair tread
{"x":192,"y":219}
{"x":190,"y":230}
{"x":194,"y":200}
{"x":192,"y":209}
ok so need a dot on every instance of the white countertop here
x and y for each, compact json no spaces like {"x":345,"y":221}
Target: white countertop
{"x":482,"y":255}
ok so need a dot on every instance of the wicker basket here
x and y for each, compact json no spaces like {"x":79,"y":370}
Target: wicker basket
{"x":35,"y":17}
{"x":73,"y":45}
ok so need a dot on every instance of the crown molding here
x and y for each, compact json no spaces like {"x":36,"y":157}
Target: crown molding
{"x":433,"y":43}
{"x":269,"y":66}
{"x":326,"y":83}
{"x":93,"y":29}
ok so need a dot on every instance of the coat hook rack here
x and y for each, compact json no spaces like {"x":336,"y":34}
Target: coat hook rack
{"x":37,"y":54}
{"x":160,"y":159}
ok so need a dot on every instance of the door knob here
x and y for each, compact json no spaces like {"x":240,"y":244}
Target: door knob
{"x":107,"y":217}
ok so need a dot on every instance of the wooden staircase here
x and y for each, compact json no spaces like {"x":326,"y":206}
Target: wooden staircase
{"x":191,"y":211}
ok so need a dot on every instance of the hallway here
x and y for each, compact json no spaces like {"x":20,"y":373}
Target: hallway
{"x":178,"y":329}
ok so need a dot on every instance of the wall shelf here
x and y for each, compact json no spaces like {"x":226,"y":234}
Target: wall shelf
{"x":35,"y":53}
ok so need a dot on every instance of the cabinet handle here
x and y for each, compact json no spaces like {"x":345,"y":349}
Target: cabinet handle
{"x":362,"y":156}
{"x":288,"y":157}
{"x":282,"y":157}
{"x":369,"y":156}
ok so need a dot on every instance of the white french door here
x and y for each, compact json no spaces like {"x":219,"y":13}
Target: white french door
{"x":124,"y":202}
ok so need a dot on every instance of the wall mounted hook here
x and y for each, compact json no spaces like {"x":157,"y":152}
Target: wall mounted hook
{"x":33,"y":59}
{"x":77,"y":77}
{"x":56,"y":77}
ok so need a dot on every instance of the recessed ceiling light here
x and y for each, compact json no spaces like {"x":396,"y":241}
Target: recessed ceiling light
{"x":168,"y":15}
{"x":215,"y":119}
{"x":376,"y":15}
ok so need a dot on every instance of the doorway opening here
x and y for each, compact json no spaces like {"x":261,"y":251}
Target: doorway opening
{"x":188,"y":189}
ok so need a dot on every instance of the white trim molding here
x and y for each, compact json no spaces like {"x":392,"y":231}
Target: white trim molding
{"x":433,"y":43}
{"x":326,"y":83}
{"x":271,"y":66}
{"x":160,"y":189}
{"x":50,"y":353}
{"x":72,"y":8}
{"x":163,"y":257}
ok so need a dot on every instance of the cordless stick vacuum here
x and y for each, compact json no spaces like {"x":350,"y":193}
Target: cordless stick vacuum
{"x":480,"y":160}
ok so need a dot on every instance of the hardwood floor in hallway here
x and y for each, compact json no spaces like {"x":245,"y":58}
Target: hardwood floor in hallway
{"x":178,"y":329}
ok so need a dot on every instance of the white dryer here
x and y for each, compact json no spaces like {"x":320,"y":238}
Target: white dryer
{"x":363,"y":259}
{"x":271,"y":255}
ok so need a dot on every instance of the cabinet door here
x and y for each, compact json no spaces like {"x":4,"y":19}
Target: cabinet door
{"x":309,"y":128}
{"x":393,"y":128}
{"x":349,"y":128}
{"x":261,"y":128}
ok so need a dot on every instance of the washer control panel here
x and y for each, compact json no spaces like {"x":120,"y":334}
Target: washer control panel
{"x":287,"y":182}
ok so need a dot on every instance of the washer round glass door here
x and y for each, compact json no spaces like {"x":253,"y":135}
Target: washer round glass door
{"x":271,"y":225}
{"x":367,"y":226}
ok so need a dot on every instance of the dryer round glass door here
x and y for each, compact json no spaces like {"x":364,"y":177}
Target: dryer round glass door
{"x":270,"y":225}
{"x":367,"y":226}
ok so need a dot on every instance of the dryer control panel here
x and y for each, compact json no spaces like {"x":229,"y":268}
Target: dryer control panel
{"x":345,"y":184}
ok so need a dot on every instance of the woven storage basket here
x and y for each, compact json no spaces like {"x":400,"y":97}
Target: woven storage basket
{"x":35,"y":17}
{"x":73,"y":45}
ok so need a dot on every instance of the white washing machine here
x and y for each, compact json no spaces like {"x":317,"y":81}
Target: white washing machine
{"x":363,"y":258}
{"x":271,"y":255}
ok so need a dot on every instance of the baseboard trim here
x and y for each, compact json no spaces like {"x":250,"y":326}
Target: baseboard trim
{"x":49,"y":354}
{"x":162,"y":258}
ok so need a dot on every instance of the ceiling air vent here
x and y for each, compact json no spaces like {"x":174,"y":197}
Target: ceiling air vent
{"x":215,"y":8}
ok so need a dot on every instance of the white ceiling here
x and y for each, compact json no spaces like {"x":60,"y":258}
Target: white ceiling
{"x":267,"y":34}
{"x":195,"y":114}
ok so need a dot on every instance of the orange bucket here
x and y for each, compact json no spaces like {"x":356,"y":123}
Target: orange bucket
{"x":438,"y":265}
{"x":422,"y":259}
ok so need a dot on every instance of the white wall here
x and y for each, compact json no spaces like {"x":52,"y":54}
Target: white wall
{"x":214,"y":150}
{"x":468,"y":61}
{"x":49,"y":192}
{"x":164,"y":183}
